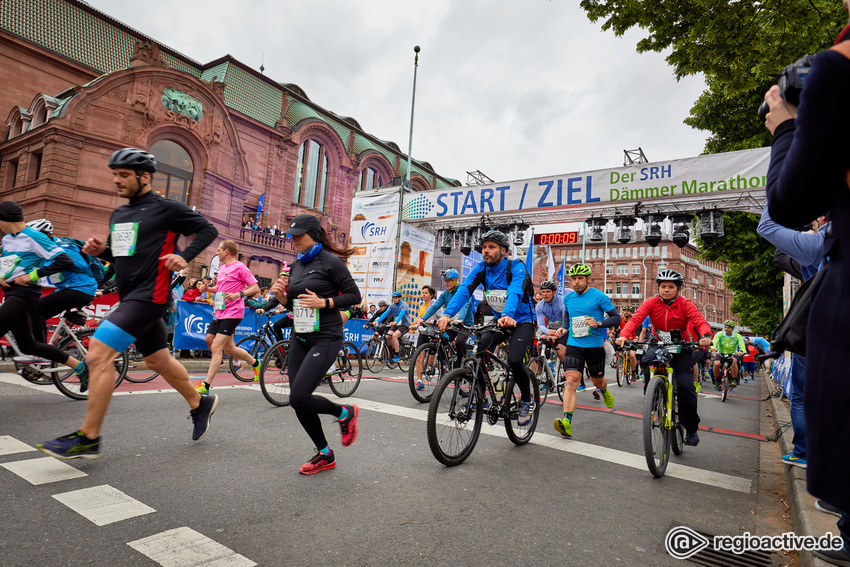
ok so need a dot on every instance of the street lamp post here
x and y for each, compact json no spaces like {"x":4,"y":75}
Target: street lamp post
{"x":705,"y":312}
{"x":693,"y":290}
{"x":644,"y":276}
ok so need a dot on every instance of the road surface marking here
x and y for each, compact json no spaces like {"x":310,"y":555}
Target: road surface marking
{"x":103,"y":504}
{"x":9,"y":446}
{"x":184,"y":547}
{"x":43,"y":471}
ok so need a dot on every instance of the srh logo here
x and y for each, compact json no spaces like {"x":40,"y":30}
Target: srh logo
{"x":683,"y":542}
{"x":371,"y":230}
{"x":194,"y":325}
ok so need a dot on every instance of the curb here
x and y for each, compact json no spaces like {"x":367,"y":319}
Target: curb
{"x":807,"y":519}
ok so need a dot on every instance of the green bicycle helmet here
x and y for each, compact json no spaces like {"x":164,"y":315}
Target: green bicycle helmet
{"x":729,"y":323}
{"x":579,"y":270}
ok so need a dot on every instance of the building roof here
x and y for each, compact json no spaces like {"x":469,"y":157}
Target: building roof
{"x":91,"y":38}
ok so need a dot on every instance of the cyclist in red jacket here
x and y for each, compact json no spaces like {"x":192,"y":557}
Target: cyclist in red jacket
{"x":669,"y":311}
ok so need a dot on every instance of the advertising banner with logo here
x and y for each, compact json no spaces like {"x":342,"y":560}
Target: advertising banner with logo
{"x":374,"y":226}
{"x":467,"y":263}
{"x":729,"y":173}
{"x":194,"y":318}
{"x":416,"y":256}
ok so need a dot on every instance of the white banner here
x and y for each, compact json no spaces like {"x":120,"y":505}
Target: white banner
{"x":740,"y":171}
{"x":374,"y":224}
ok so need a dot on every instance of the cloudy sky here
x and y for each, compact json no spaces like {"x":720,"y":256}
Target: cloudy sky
{"x":515,"y":89}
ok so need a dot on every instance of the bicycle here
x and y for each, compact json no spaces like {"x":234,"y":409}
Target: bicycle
{"x":661,"y":426}
{"x":342,"y":377}
{"x":548,"y":369}
{"x":73,"y":343}
{"x":461,"y":398}
{"x":377,"y":353}
{"x":726,"y":383}
{"x":430,"y":362}
{"x":625,"y":373}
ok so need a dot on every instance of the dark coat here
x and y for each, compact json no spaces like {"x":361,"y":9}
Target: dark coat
{"x":806,"y":179}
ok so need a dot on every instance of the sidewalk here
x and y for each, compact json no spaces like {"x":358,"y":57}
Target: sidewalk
{"x":807,"y":519}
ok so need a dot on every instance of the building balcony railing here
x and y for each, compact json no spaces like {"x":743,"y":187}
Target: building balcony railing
{"x":626,"y":296}
{"x":265,"y":239}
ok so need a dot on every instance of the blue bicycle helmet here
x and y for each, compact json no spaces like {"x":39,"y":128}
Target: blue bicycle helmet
{"x":396,"y":294}
{"x":451,"y":274}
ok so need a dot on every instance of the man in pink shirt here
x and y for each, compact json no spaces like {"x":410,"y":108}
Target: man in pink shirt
{"x":233,"y":283}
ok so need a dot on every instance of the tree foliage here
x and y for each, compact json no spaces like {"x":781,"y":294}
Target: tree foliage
{"x":740,"y":46}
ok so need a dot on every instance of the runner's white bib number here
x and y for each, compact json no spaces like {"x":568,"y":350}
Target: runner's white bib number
{"x":7,"y":264}
{"x":218,"y":301}
{"x":306,"y":319}
{"x":664,"y":336}
{"x":580,"y":326}
{"x":496,"y":299}
{"x":123,"y":238}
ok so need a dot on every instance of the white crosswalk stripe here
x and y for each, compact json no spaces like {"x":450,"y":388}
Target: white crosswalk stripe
{"x":103,"y":505}
{"x":9,"y":446}
{"x":184,"y":547}
{"x":43,"y":471}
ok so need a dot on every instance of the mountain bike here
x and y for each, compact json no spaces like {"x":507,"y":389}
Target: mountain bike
{"x":377,"y":353}
{"x":74,"y":342}
{"x":661,"y":427}
{"x":726,"y":383}
{"x":547,"y":368}
{"x":625,"y":373}
{"x":462,"y":398}
{"x":430,"y":362}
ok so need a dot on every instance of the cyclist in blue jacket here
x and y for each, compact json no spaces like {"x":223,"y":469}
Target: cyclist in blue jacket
{"x":399,"y":310}
{"x":450,"y":280}
{"x":503,"y":282}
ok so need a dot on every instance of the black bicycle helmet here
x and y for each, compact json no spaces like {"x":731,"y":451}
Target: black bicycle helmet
{"x":670,"y":276}
{"x":496,"y":236}
{"x":549,"y":285}
{"x":133,"y":158}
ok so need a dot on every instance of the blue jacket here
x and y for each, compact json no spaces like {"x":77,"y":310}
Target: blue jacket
{"x":465,"y":313}
{"x":80,"y":277}
{"x":399,"y":312}
{"x":805,"y":247}
{"x":495,"y":278}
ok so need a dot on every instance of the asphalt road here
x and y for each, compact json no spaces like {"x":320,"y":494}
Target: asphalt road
{"x":235,"y":497}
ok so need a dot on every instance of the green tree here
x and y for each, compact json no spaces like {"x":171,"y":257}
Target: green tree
{"x":740,"y":46}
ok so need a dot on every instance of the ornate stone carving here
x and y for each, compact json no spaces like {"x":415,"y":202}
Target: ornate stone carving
{"x":217,"y":87}
{"x":64,"y":140}
{"x":181,"y":103}
{"x":146,"y":53}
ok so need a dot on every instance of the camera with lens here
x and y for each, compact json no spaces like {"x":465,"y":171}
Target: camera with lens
{"x":790,"y":83}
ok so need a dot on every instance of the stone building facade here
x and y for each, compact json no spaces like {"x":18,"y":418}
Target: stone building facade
{"x":78,"y":85}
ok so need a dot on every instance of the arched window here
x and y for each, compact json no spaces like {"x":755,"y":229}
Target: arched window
{"x":370,"y":179}
{"x":312,"y":182}
{"x":174,"y":171}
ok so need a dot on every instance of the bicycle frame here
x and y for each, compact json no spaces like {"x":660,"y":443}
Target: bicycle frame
{"x":62,"y":329}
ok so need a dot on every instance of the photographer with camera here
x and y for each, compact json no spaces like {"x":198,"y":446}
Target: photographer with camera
{"x":807,"y":177}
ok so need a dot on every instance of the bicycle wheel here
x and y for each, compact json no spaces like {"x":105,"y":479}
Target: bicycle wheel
{"x":724,"y":387}
{"x":426,"y":369}
{"x":137,"y":371}
{"x":345,"y":379}
{"x":656,"y":438}
{"x":678,"y":438}
{"x":405,"y":353}
{"x":69,"y":383}
{"x":374,"y":356}
{"x":519,"y":434}
{"x":621,"y":374}
{"x":560,"y":380}
{"x":454,"y":420}
{"x":253,"y":345}
{"x":274,"y":374}
{"x":537,"y":370}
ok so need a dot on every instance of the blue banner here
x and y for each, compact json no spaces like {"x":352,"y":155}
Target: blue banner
{"x":260,"y":207}
{"x":194,"y":318}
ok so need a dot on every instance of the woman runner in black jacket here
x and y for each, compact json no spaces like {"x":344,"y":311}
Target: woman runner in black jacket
{"x":319,"y":286}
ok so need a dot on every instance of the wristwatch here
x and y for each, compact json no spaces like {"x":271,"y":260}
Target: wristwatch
{"x":241,"y":294}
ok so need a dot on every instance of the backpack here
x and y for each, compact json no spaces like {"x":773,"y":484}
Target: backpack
{"x":96,"y":269}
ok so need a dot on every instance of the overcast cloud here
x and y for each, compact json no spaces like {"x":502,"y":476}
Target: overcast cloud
{"x":516,"y":89}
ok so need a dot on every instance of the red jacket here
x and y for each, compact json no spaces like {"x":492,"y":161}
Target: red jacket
{"x":679,"y":315}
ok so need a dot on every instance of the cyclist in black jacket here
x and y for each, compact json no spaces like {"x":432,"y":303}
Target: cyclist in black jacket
{"x":319,"y":285}
{"x":142,"y":245}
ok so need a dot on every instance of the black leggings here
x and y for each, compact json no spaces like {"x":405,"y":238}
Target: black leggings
{"x":460,"y":337}
{"x":521,"y":337}
{"x":54,"y":304}
{"x":308,"y":362}
{"x":14,"y":316}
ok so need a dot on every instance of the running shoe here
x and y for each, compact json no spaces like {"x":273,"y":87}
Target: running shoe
{"x":692,"y":439}
{"x":256,"y":369}
{"x":348,"y":426}
{"x":526,"y":409}
{"x":608,"y":398}
{"x":420,"y":385}
{"x":791,"y":459}
{"x":202,"y":415}
{"x":825,"y":506}
{"x":596,"y":394}
{"x":395,"y":358}
{"x":581,"y":388}
{"x":745,"y":380}
{"x":717,"y":388}
{"x":697,"y":387}
{"x":84,"y":377}
{"x":201,"y":387}
{"x":564,"y":427}
{"x":73,"y":446}
{"x":320,"y":462}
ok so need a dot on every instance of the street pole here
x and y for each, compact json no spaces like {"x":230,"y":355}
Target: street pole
{"x":644,"y":276}
{"x":416,"y":50}
{"x":583,"y":230}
